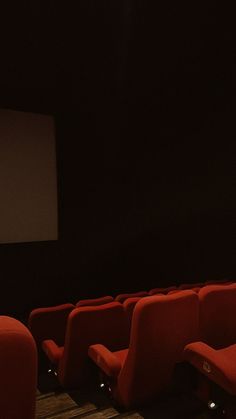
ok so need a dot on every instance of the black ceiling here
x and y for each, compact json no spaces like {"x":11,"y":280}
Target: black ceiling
{"x":58,"y":56}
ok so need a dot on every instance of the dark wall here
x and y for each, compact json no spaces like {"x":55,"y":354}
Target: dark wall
{"x":139,"y":209}
{"x":143,"y":99}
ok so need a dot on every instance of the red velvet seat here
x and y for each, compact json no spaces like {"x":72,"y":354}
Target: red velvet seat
{"x":219,"y":282}
{"x":218,"y":365}
{"x":129,"y":306}
{"x":122,"y":297}
{"x":88,"y":325}
{"x":18,"y":366}
{"x":161,"y":327}
{"x":215,"y":355}
{"x":95,"y":301}
{"x":217,"y":315}
{"x":49,"y":323}
{"x":166,"y":290}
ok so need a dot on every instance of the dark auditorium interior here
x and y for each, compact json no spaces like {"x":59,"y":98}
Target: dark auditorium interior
{"x":142,"y":98}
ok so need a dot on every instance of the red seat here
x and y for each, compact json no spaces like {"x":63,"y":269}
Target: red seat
{"x":129,"y":306}
{"x":217,"y":315}
{"x":218,"y":365}
{"x":122,"y":297}
{"x":173,"y":291}
{"x":215,"y":355}
{"x":155,"y":291}
{"x":161,"y":327}
{"x":18,"y":366}
{"x":104,"y":324}
{"x":195,"y":289}
{"x":219,"y":282}
{"x":95,"y":301}
{"x":49,"y":323}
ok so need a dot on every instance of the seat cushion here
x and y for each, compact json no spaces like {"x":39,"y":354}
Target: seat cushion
{"x":53,"y":352}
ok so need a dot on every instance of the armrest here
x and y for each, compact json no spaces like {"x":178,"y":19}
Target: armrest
{"x":49,"y":323}
{"x":218,"y":365}
{"x":201,"y":356}
{"x":52,"y":350}
{"x":105,"y":360}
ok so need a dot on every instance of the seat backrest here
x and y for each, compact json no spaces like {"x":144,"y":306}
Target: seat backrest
{"x":219,"y":282}
{"x":105,"y":324}
{"x":122,"y":297}
{"x":161,"y":327}
{"x":129,"y":305}
{"x":155,"y":291}
{"x":195,"y":289}
{"x":217,"y":315}
{"x":18,"y":366}
{"x":95,"y":301}
{"x":189,"y":286}
{"x":173,"y":291}
{"x":49,"y":323}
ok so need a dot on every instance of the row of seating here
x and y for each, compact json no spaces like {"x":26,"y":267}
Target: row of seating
{"x":185,"y":326}
{"x":45,"y":321}
{"x":166,"y":330}
{"x":65,"y":333}
{"x":50,"y":322}
{"x":161,"y":327}
{"x":199,"y":328}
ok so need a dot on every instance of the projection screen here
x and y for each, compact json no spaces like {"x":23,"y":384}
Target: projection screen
{"x":28,"y":178}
